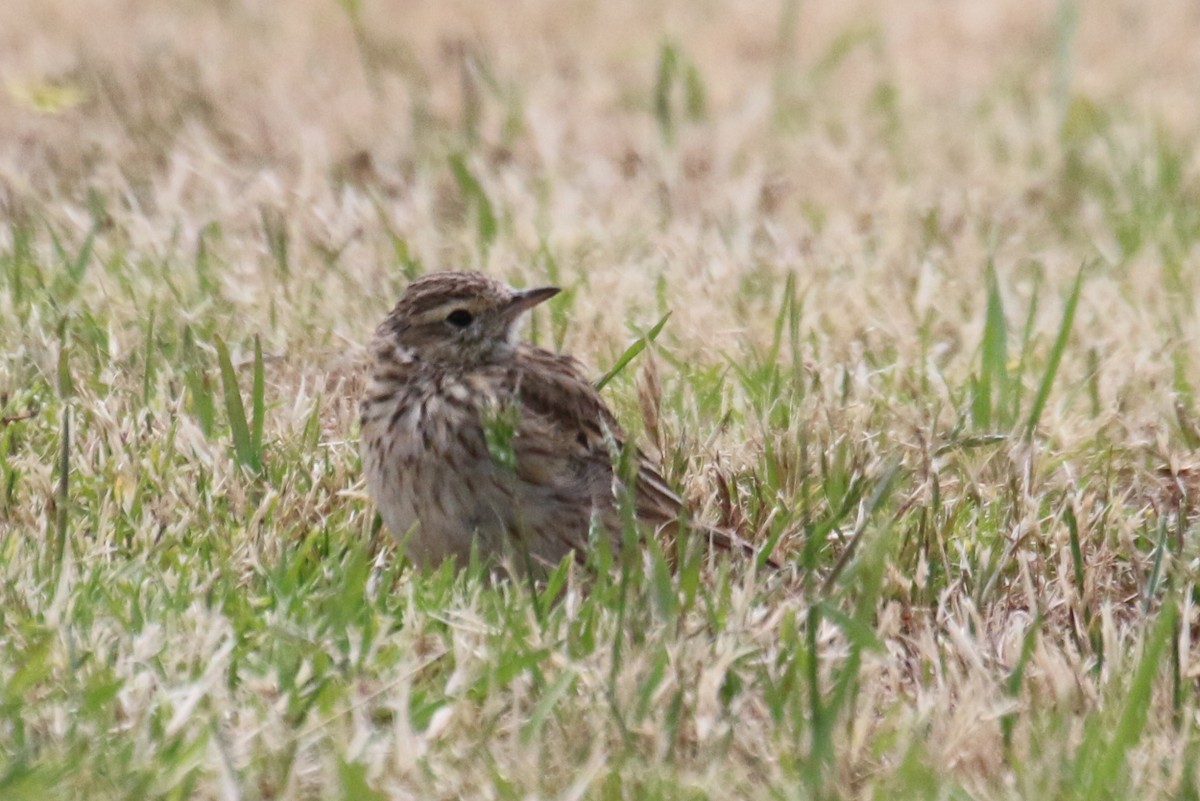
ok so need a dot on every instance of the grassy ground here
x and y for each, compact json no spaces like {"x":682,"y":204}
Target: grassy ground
{"x":932,"y":274}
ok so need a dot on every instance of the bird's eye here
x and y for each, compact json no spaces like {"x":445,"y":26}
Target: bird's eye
{"x":460,"y":318}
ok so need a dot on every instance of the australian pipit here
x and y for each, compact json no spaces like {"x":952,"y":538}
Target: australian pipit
{"x":470,"y":436}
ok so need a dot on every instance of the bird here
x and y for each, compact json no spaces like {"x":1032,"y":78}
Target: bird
{"x":474,"y":439}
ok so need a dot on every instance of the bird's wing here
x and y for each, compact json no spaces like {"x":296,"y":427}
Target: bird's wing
{"x":561,"y":408}
{"x":568,"y":437}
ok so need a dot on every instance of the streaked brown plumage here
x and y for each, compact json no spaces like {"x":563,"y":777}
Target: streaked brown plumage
{"x":469,"y":435}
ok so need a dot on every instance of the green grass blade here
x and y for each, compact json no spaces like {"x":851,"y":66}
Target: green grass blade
{"x":198,"y":385}
{"x":1076,"y":557}
{"x":1110,"y":764}
{"x":257,"y":401}
{"x":632,"y":351}
{"x":203,"y":259}
{"x":78,"y":266}
{"x":820,"y":724}
{"x":992,"y":389}
{"x":278,"y":238}
{"x":532,"y":728}
{"x":62,"y":494}
{"x":668,"y":66}
{"x":1017,"y":677}
{"x":354,"y":785}
{"x":782,"y":318}
{"x":1018,"y":378}
{"x":243,"y":445}
{"x":66,"y":385}
{"x":1156,"y":566}
{"x":148,"y":360}
{"x":883,"y":487}
{"x":1056,"y":354}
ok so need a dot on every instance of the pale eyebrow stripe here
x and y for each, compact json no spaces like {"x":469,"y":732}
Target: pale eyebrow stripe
{"x":442,"y":309}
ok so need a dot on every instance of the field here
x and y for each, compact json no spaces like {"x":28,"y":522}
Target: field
{"x":929,"y":275}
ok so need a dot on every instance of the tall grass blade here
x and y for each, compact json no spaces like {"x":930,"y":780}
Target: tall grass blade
{"x":1017,"y":380}
{"x":882,"y":489}
{"x":632,"y":351}
{"x":532,"y":727}
{"x":1017,"y":677}
{"x":1156,"y":567}
{"x":821,"y":726}
{"x":257,"y":400}
{"x":148,"y":360}
{"x":1077,"y":559}
{"x":199,"y":389}
{"x":275,"y":231}
{"x":1109,"y":764}
{"x":243,"y":444}
{"x":1056,"y":354}
{"x":203,"y":259}
{"x":66,"y":385}
{"x":62,"y":493}
{"x":668,"y":66}
{"x":783,"y":318}
{"x":992,"y":389}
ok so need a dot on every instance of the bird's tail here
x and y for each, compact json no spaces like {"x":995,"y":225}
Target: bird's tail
{"x":723,"y":540}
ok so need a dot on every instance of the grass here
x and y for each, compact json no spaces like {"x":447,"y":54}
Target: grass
{"x":912,"y":304}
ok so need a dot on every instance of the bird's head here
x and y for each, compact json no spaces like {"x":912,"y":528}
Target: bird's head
{"x":460,"y":318}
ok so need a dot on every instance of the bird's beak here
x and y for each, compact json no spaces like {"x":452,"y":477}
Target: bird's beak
{"x":523,"y":300}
